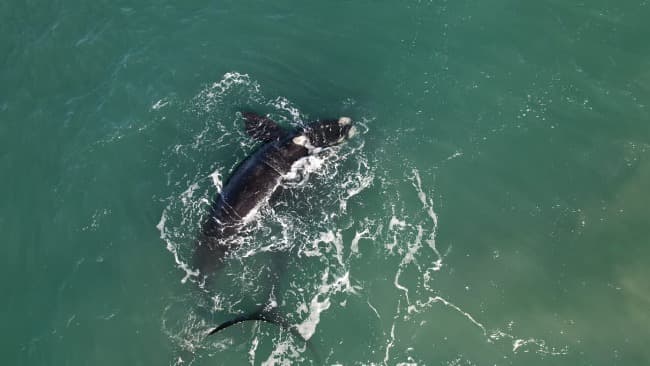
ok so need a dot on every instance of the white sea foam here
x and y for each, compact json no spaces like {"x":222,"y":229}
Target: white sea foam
{"x":159,"y":104}
{"x":285,"y":353}
{"x":427,"y":205}
{"x":186,"y":196}
{"x":217,"y":180}
{"x":172,"y":249}
{"x":251,"y":352}
{"x":317,"y":306}
{"x":390,"y":344}
{"x":303,"y":168}
{"x":283,"y":104}
{"x":396,"y":223}
{"x":356,"y":183}
{"x":354,"y":245}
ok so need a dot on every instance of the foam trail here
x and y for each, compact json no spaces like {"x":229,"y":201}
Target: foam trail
{"x":454,"y":155}
{"x":395,"y":222}
{"x":427,"y":205}
{"x":390,"y":344}
{"x":373,"y":309}
{"x":399,"y":286}
{"x":211,"y":98}
{"x":284,"y":104}
{"x":518,"y":344}
{"x":354,"y":246}
{"x":285,"y":354}
{"x":251,"y":351}
{"x":308,"y":326}
{"x":316,"y":307}
{"x":356,"y":184}
{"x":328,"y":238}
{"x":159,"y":104}
{"x":189,"y":192}
{"x":172,"y":249}
{"x":452,"y":306}
{"x":217,"y":180}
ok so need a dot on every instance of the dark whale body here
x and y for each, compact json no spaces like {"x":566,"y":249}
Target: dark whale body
{"x":252,"y":183}
{"x":256,"y":178}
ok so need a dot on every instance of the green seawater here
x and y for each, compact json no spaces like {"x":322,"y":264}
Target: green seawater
{"x":494,"y":208}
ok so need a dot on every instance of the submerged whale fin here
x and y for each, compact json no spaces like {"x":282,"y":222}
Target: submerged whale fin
{"x":265,"y":313}
{"x":262,"y":128}
{"x":269,"y":314}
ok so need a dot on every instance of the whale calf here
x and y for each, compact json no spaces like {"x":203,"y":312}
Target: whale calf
{"x":252,"y":183}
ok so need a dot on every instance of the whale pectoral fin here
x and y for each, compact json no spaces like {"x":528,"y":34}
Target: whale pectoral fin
{"x":261,"y":128}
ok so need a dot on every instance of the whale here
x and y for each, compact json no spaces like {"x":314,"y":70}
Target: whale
{"x":252,"y":184}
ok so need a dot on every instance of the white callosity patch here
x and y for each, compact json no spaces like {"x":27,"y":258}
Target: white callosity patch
{"x":344,"y":121}
{"x":300,"y":140}
{"x":303,"y":140}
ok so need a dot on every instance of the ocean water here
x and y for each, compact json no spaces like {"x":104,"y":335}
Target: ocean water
{"x":492,"y":210}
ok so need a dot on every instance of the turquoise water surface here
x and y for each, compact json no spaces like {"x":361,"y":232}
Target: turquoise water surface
{"x":492,"y":210}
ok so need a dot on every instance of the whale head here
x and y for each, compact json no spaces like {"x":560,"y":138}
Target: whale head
{"x":327,"y":133}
